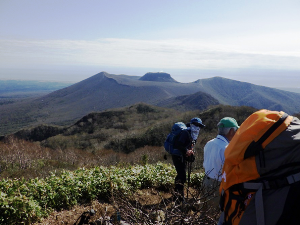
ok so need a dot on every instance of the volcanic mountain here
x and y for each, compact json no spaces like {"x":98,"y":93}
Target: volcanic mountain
{"x":159,"y":76}
{"x":105,"y":91}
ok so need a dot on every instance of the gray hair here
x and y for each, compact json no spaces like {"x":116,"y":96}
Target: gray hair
{"x":224,"y":130}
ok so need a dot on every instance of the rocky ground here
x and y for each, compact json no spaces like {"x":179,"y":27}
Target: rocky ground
{"x":153,"y":205}
{"x":103,"y":211}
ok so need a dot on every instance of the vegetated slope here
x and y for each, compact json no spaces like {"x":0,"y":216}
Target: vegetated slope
{"x":197,"y":101}
{"x":106,"y":91}
{"x":97,"y":129}
{"x":127,"y":129}
{"x":114,"y":185}
{"x":125,"y":135}
{"x":233,"y":92}
{"x":38,"y":133}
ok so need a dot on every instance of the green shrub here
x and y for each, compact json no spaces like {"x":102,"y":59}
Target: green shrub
{"x":26,"y":201}
{"x":19,"y":209}
{"x":143,"y":108}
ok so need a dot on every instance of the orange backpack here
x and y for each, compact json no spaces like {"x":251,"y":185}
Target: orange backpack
{"x":262,"y":159}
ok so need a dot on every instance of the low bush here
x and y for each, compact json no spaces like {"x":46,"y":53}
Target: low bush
{"x":25,"y":201}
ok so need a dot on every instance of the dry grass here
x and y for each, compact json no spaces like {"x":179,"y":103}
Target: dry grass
{"x":19,"y":158}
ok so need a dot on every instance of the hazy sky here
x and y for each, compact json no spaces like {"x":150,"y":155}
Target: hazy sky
{"x":257,"y":41}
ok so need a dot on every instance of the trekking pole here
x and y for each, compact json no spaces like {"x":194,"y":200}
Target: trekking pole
{"x":191,"y":159}
{"x":189,"y":178}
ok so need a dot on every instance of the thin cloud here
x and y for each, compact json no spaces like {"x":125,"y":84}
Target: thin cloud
{"x":172,"y":54}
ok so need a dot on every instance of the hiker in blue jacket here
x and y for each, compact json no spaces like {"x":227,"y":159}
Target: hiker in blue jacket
{"x":185,"y":143}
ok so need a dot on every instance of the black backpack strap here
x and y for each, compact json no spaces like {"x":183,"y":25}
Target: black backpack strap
{"x":259,"y":187}
{"x":259,"y":204}
{"x":239,"y":206}
{"x":256,"y":147}
{"x":281,"y":181}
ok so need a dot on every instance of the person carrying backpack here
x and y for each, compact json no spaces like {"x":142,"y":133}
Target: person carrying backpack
{"x":181,"y":147}
{"x":261,"y":174}
{"x":214,"y":156}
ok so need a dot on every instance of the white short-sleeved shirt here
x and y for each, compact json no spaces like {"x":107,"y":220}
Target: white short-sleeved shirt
{"x":214,"y":156}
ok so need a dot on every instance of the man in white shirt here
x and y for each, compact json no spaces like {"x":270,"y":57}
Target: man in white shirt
{"x":214,"y":155}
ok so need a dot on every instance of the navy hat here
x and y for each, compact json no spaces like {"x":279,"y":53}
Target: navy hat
{"x":197,"y":122}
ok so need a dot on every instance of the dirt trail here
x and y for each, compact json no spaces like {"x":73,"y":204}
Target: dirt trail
{"x":102,"y":209}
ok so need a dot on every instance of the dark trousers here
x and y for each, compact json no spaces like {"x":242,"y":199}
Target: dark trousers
{"x":180,"y":166}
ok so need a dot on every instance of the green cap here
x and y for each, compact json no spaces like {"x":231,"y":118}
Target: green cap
{"x":228,"y":122}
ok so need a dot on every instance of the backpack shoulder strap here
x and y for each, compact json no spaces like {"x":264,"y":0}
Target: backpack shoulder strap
{"x":279,"y":183}
{"x":256,"y":147}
